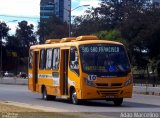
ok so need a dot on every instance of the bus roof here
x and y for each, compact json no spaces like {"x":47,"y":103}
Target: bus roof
{"x":72,"y":41}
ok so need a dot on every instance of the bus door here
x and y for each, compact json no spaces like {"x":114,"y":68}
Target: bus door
{"x":64,"y":71}
{"x":35,"y":70}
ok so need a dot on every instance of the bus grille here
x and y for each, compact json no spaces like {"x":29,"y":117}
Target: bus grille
{"x":108,"y":92}
{"x":106,"y":85}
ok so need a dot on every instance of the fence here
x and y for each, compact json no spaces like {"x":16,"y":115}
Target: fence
{"x":13,"y":80}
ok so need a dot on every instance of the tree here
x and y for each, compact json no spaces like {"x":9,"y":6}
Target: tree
{"x":115,"y":11}
{"x":86,"y":24}
{"x":12,"y":41}
{"x":3,"y":31}
{"x":25,"y":35}
{"x":52,"y":28}
{"x":142,"y":31}
{"x":108,"y":16}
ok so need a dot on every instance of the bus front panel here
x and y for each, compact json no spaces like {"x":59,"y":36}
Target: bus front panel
{"x":105,"y":71}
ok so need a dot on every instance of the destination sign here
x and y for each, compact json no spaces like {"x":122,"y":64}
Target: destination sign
{"x":94,"y":49}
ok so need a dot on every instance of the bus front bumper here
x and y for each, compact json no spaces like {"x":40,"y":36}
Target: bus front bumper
{"x":95,"y":93}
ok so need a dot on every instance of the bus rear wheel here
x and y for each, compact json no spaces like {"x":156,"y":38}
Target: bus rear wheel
{"x":118,"y":101}
{"x":74,"y":98}
{"x":45,"y":96}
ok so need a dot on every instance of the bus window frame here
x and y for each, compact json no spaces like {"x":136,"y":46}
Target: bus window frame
{"x":50,"y":68}
{"x":55,"y":69}
{"x":30,"y":64}
{"x":74,"y":70}
{"x":44,"y":58}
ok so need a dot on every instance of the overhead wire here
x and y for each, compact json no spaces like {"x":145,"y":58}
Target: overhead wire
{"x":20,"y":16}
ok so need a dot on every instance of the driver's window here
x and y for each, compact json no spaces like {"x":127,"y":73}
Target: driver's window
{"x":74,"y":59}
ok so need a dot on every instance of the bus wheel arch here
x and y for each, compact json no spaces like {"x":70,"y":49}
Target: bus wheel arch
{"x":73,"y":96}
{"x":42,"y":87}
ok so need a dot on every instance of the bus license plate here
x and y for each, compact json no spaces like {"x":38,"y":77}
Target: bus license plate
{"x":110,"y":96}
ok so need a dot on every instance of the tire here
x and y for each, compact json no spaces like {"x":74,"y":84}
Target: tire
{"x":45,"y":96}
{"x":118,"y":101}
{"x":74,"y":99}
{"x":52,"y":97}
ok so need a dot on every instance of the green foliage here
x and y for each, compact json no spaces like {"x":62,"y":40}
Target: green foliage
{"x":12,"y":41}
{"x":155,"y":65}
{"x":114,"y":35}
{"x":52,"y":28}
{"x":25,"y":34}
{"x":87,"y":24}
{"x":3,"y":31}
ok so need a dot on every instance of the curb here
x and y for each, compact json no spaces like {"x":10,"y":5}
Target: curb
{"x":14,"y":83}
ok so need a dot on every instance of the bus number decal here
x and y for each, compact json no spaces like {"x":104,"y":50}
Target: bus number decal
{"x":92,"y":77}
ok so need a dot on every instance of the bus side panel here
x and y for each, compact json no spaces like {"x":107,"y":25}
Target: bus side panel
{"x":46,"y":79}
{"x":30,"y":80}
{"x":33,"y":71}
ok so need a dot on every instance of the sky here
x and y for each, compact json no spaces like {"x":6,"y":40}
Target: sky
{"x":29,"y":10}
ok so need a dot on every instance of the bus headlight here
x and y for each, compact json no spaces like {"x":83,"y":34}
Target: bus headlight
{"x":89,"y":83}
{"x":128,"y":82}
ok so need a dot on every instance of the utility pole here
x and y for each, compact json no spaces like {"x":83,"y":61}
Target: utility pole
{"x":70,"y":11}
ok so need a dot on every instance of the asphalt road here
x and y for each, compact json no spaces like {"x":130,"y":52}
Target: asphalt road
{"x":139,"y":103}
{"x":137,"y":88}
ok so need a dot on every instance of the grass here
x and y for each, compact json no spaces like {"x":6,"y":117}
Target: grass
{"x":11,"y":111}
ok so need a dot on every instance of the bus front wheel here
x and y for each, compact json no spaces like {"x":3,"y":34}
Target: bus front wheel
{"x":118,"y":101}
{"x":74,"y":98}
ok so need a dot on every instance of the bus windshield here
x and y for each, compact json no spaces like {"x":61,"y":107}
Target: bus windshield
{"x":104,"y":59}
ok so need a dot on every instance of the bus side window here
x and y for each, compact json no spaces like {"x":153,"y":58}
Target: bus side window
{"x":42,"y":59}
{"x":74,"y":60}
{"x":56,"y":59}
{"x":49,"y":59}
{"x":30,"y":59}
